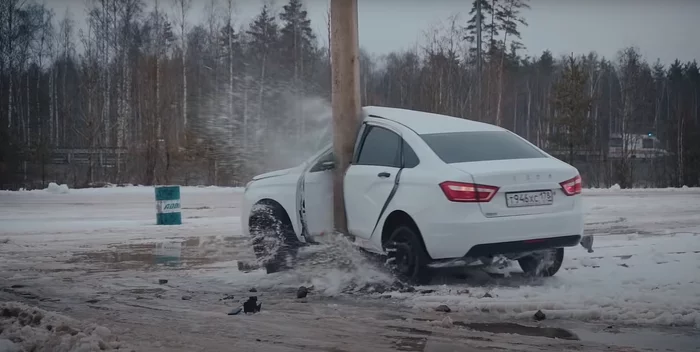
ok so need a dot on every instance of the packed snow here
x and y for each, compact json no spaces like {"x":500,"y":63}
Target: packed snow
{"x":57,"y":189}
{"x":102,"y":245}
{"x":25,"y":328}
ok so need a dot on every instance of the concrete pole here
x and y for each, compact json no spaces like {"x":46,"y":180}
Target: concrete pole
{"x":345,"y":75}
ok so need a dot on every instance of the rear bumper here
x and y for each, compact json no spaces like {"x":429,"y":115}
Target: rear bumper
{"x":488,"y":249}
{"x":478,"y":236}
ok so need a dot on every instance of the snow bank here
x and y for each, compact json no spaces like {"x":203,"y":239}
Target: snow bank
{"x":57,"y":189}
{"x":127,"y":190}
{"x":616,"y":188}
{"x":24,"y":328}
{"x":184,"y":190}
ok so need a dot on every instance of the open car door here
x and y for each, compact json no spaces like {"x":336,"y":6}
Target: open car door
{"x":317,"y":196}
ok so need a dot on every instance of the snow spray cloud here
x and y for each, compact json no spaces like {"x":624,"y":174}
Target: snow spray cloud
{"x":345,"y":268}
{"x":290,"y":147}
{"x":251,"y":130}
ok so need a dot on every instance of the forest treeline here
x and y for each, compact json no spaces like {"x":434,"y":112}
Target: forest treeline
{"x":142,"y":95}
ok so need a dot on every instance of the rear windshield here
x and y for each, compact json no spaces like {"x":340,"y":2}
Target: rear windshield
{"x":461,"y":147}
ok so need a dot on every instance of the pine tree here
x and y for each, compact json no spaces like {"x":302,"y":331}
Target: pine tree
{"x":297,"y":39}
{"x":264,"y":34}
{"x":262,"y":44}
{"x":297,"y":45}
{"x":571,"y":103}
{"x":507,"y":18}
{"x":488,"y":28}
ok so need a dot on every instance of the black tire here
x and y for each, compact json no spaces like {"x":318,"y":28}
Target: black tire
{"x":543,"y":264}
{"x":274,"y":242}
{"x":408,"y":258}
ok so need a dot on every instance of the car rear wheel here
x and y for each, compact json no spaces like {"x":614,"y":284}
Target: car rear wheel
{"x":274,"y":242}
{"x":407,"y":257}
{"x":543,"y":263}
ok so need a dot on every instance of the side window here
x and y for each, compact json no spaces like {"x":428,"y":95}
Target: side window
{"x":319,"y":164}
{"x":409,"y":156}
{"x":380,"y":147}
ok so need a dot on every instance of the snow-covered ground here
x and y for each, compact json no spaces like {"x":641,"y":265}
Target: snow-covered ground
{"x":96,"y":255}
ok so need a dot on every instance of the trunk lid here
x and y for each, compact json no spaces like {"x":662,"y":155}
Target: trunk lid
{"x":531,"y":185}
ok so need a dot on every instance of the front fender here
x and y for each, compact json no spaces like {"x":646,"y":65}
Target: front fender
{"x":281,"y":189}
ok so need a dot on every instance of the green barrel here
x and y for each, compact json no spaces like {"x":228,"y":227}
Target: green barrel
{"x":168,"y":205}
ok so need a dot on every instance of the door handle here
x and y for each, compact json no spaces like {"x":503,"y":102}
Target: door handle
{"x":383,"y":174}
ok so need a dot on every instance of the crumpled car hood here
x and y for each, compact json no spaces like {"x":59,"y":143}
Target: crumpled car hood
{"x":272,"y":174}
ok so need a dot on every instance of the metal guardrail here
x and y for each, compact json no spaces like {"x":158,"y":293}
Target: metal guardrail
{"x":106,"y":157}
{"x":615,"y":153}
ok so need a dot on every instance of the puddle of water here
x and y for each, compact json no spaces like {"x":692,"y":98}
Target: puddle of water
{"x":518,"y":329}
{"x":412,"y":331}
{"x":168,"y":253}
{"x":172,"y":253}
{"x":513,"y":328}
{"x":644,"y":339}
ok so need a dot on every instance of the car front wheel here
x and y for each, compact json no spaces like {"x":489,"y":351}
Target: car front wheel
{"x":542,"y":263}
{"x":274,"y":242}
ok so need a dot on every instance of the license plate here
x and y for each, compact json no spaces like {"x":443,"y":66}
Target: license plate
{"x":529,"y":199}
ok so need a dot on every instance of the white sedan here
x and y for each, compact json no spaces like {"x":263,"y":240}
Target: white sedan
{"x":425,"y":189}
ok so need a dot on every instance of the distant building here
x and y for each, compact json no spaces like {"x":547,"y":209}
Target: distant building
{"x":637,"y":146}
{"x":640,"y":146}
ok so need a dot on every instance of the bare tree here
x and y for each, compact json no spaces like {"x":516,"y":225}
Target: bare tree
{"x":508,"y":15}
{"x":183,"y":6}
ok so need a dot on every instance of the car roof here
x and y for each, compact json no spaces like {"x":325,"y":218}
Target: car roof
{"x":425,"y":123}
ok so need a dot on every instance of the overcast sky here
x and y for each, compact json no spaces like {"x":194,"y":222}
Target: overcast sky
{"x":667,"y":29}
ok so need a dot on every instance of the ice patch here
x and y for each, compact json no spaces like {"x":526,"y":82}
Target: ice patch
{"x":588,"y":262}
{"x":642,"y":281}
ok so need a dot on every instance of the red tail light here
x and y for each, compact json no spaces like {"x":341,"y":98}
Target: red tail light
{"x":468,"y":192}
{"x":572,"y":187}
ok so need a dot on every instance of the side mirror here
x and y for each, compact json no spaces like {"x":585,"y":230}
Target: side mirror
{"x":328,"y":165}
